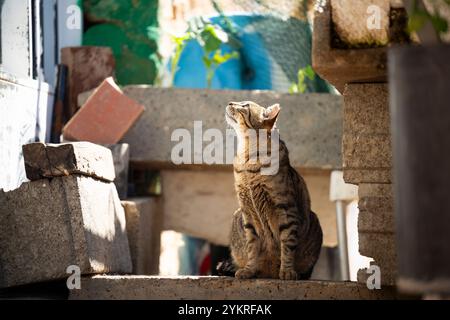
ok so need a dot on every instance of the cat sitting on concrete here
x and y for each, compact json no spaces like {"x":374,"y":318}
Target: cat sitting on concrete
{"x":274,"y":232}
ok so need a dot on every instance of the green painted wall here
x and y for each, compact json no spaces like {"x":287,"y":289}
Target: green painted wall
{"x":130,"y":28}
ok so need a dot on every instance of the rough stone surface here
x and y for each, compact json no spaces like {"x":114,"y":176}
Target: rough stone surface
{"x":88,"y":67}
{"x":367,"y":154}
{"x":144,"y":225}
{"x":376,"y":228}
{"x":48,"y":225}
{"x":339,"y":66}
{"x":376,"y":208}
{"x":221,"y":288}
{"x":121,"y":157}
{"x":310,"y":124}
{"x":105,"y":117}
{"x":56,"y":160}
{"x":351,"y":21}
{"x":201,"y":203}
{"x":380,"y":247}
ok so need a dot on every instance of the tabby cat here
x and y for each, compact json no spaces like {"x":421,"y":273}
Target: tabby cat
{"x":274,"y":232}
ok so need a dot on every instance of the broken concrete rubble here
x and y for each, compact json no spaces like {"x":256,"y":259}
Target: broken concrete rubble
{"x":56,"y":160}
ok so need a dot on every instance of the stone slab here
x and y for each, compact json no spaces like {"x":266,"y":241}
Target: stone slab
{"x":144,"y":226}
{"x":48,"y":225}
{"x":56,"y":160}
{"x":201,"y":203}
{"x":310,"y":124}
{"x":221,"y":288}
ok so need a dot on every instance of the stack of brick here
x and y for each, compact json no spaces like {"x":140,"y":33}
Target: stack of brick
{"x":367,"y":161}
{"x":68,"y":215}
{"x":351,"y":54}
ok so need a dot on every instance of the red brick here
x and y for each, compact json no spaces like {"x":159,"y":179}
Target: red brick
{"x":105,"y":117}
{"x":87,"y":68}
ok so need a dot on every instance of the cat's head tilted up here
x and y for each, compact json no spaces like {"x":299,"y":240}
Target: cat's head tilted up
{"x":246,"y":115}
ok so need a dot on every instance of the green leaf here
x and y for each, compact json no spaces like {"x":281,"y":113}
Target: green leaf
{"x":207,"y":62}
{"x":218,"y":58}
{"x":293,"y":88}
{"x":309,"y":72}
{"x":211,"y":41}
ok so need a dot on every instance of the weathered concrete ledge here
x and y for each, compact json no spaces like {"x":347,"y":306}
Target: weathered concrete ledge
{"x":221,"y":288}
{"x":58,"y":160}
{"x":310,"y":124}
{"x":342,"y":66}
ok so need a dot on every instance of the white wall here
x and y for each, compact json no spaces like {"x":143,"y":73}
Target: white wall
{"x":23,"y":119}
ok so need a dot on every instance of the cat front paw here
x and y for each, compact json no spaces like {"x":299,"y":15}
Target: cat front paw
{"x":245,"y":273}
{"x":288,"y":274}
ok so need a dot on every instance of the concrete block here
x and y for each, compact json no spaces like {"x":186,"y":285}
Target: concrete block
{"x":366,"y":108}
{"x":380,"y":247}
{"x":105,"y":117}
{"x":339,"y":66}
{"x":144,"y":226}
{"x":361,"y":151}
{"x":367,"y":149}
{"x":48,"y":225}
{"x":376,"y":208}
{"x":375,"y":221}
{"x":221,"y":288}
{"x":354,"y":25}
{"x":87,"y":68}
{"x":201,"y":203}
{"x":56,"y":160}
{"x":121,"y":157}
{"x":310,"y":124}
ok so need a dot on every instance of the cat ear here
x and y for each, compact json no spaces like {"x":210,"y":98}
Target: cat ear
{"x":271,"y":114}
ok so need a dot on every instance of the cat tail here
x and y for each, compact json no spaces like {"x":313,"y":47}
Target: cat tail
{"x":226,"y":268}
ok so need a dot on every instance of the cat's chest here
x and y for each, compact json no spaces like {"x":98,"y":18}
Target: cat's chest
{"x":251,"y":192}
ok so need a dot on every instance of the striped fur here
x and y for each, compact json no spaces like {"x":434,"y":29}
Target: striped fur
{"x":274,"y":233}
